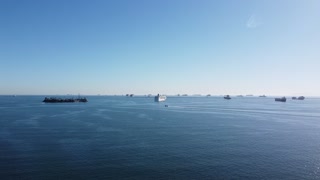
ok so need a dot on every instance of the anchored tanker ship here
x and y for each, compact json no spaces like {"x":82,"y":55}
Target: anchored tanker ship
{"x":60,"y":100}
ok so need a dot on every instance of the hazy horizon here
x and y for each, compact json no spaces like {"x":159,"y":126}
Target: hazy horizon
{"x":177,"y":95}
{"x":168,"y":47}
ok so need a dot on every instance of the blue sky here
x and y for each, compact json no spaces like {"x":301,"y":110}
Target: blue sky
{"x":161,"y":46}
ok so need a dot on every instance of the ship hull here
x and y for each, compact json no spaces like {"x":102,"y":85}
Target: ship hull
{"x":280,"y":99}
{"x":160,"y":98}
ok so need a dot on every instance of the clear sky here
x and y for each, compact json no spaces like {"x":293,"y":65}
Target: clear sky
{"x":257,"y":47}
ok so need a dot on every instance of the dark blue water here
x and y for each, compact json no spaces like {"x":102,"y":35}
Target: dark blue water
{"x":136,"y":138}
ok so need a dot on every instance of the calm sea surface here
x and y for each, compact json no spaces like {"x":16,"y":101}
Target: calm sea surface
{"x":136,"y":138}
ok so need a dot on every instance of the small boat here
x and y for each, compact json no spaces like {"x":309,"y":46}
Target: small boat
{"x":263,"y":96}
{"x":208,"y":95}
{"x":227,"y":97}
{"x":160,"y":98}
{"x":131,"y":95}
{"x":283,"y":99}
{"x":166,"y":106}
{"x":294,"y":98}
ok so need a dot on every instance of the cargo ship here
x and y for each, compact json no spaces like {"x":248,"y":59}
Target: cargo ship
{"x":283,"y":99}
{"x":66,"y":100}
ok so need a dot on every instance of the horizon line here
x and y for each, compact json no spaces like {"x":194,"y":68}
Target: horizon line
{"x":143,"y":95}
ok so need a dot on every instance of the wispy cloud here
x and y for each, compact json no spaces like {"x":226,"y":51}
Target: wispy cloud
{"x":253,"y":22}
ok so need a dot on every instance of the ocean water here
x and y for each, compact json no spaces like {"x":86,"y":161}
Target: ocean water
{"x":136,"y":138}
